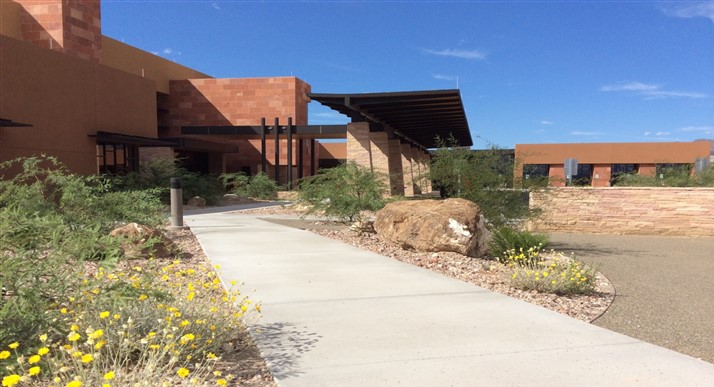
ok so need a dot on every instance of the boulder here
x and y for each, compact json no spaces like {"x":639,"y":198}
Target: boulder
{"x":434,"y":225}
{"x":196,"y":201}
{"x":140,"y":241}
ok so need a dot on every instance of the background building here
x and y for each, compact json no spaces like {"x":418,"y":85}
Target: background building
{"x":599,"y":164}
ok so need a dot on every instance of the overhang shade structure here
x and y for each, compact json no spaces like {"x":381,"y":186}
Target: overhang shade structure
{"x":415,"y":116}
{"x":6,"y":123}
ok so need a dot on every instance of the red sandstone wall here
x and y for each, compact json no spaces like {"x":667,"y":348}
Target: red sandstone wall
{"x":69,"y":26}
{"x":236,"y":101}
{"x":626,"y":210}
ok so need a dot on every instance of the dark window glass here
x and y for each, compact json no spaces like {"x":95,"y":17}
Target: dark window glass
{"x":584,"y":176}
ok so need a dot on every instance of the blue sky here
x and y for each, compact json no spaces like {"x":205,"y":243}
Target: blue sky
{"x":529,"y":72}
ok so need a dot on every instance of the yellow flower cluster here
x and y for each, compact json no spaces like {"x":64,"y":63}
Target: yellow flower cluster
{"x":558,"y":274}
{"x":168,"y":321}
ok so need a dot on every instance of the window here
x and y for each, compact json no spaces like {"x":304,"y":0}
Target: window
{"x":117,"y":159}
{"x":535,"y":175}
{"x":673,"y":170}
{"x":617,"y":170}
{"x":584,"y":176}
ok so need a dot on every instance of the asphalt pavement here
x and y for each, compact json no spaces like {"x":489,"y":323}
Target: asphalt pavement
{"x":664,"y":285}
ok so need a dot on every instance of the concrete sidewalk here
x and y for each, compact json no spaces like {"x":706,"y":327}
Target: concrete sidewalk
{"x":335,"y":315}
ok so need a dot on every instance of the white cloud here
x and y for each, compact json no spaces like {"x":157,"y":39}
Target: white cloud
{"x":650,"y":91}
{"x":647,"y":133}
{"x":444,"y":77}
{"x":581,"y":133}
{"x":690,"y":10}
{"x":663,"y":133}
{"x":463,"y":54}
{"x":546,"y":122}
{"x":702,"y":129}
{"x":216,"y":6}
{"x":629,"y":86}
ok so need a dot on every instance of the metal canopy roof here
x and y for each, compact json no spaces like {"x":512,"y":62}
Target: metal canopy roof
{"x":416,"y":116}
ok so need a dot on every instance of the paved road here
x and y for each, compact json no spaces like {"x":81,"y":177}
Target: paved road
{"x":665,"y":287}
{"x":336,"y":315}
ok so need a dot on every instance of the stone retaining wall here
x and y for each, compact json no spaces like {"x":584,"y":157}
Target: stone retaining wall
{"x":626,"y":210}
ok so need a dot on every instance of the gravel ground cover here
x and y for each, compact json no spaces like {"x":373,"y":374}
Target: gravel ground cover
{"x":665,"y":287}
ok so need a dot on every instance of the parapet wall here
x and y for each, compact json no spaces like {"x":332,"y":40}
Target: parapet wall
{"x":630,"y":210}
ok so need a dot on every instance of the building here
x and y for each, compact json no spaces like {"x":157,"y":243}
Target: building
{"x":599,"y":164}
{"x":102,"y":106}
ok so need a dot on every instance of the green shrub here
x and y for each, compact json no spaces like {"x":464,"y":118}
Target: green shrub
{"x":260,"y":186}
{"x":235,"y":183}
{"x":484,"y":177}
{"x":343,"y":191}
{"x":155,"y":175}
{"x":673,"y":176}
{"x":505,"y":239}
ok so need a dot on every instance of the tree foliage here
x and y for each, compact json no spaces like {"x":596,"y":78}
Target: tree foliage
{"x":344,"y":191}
{"x":483,"y":177}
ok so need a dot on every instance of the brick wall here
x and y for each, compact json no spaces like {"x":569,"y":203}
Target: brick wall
{"x":69,"y":26}
{"x":236,"y":101}
{"x":626,"y":210}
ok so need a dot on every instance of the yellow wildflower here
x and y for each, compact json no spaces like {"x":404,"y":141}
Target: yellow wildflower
{"x":34,"y":359}
{"x":97,"y":334}
{"x":182,"y":372}
{"x":186,"y":338}
{"x":190,"y":296}
{"x":74,"y":336}
{"x":87,"y":358}
{"x":109,"y":375}
{"x":99,"y":344}
{"x":104,"y":314}
{"x":43,"y":337}
{"x":10,"y":380}
{"x":43,"y":351}
{"x":14,"y":345}
{"x":4,"y":354}
{"x":221,"y":382}
{"x":34,"y":371}
{"x":74,"y":383}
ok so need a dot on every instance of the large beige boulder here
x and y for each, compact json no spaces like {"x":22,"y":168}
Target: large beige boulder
{"x":434,"y":225}
{"x":139,"y":240}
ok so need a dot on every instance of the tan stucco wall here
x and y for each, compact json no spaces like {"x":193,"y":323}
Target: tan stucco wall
{"x":333,"y":150}
{"x":10,"y":19}
{"x":626,"y":210}
{"x":144,"y":64}
{"x":66,"y":99}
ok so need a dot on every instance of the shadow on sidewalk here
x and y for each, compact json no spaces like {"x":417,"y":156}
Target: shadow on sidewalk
{"x":282,"y":345}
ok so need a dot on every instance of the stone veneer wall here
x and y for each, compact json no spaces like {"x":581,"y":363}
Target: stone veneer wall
{"x":626,"y":210}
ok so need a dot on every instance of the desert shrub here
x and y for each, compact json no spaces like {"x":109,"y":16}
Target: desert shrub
{"x":671,"y":176}
{"x":263,"y":187}
{"x":483,"y":177}
{"x":558,"y":274}
{"x":343,"y":191}
{"x":235,"y":183}
{"x":156,"y":175}
{"x":505,"y":239}
{"x":163,"y":323}
{"x":260,"y":186}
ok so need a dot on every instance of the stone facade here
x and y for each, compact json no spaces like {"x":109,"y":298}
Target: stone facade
{"x":402,"y":163}
{"x":69,"y":26}
{"x":626,"y":210}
